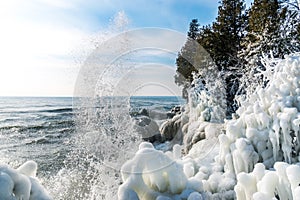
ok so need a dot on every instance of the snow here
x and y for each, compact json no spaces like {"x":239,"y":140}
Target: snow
{"x":257,"y":157}
{"x":150,"y":180}
{"x":267,"y":120}
{"x":21,"y":183}
{"x":284,"y":181}
{"x":195,"y":196}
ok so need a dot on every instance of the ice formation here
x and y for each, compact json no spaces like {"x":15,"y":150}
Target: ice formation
{"x":201,"y":118}
{"x":164,"y":177}
{"x":206,"y":101}
{"x":256,"y":158}
{"x":267,"y":129}
{"x":204,"y":113}
{"x":262,"y":184}
{"x":21,"y":183}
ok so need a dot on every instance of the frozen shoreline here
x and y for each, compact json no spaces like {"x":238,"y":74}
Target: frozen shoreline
{"x":265,"y":133}
{"x":237,"y":159}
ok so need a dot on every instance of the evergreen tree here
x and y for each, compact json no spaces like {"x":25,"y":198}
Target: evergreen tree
{"x":272,"y":28}
{"x":272,"y":31}
{"x":229,"y":30}
{"x":290,"y":26}
{"x":262,"y":38}
{"x":194,"y":29}
{"x":185,"y":59}
{"x":236,"y":42}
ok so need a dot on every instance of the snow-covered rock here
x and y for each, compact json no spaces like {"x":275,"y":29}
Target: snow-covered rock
{"x":283,"y":182}
{"x":151,"y":173}
{"x":16,"y":184}
{"x":268,"y":127}
{"x":171,"y":128}
{"x":147,"y":128}
{"x":256,"y":158}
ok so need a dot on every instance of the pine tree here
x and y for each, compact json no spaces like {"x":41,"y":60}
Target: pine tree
{"x":264,"y":26}
{"x":222,"y":42}
{"x":185,"y":59}
{"x":194,"y":29}
{"x":228,"y":32}
{"x":272,"y":31}
{"x":262,"y":38}
{"x":291,"y":27}
{"x":272,"y":28}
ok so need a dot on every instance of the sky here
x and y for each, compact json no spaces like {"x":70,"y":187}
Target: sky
{"x":44,"y":42}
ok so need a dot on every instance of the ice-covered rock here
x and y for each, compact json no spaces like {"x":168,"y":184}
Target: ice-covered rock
{"x":21,"y":183}
{"x":198,"y":131}
{"x":201,"y":118}
{"x":147,"y":128}
{"x":151,"y":173}
{"x":268,"y":123}
{"x":282,"y":183}
{"x":176,"y":110}
{"x":256,"y":158}
{"x":171,"y":128}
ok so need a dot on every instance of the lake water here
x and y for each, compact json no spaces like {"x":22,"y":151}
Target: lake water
{"x":44,"y":129}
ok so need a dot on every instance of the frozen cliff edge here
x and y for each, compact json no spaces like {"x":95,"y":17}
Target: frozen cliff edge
{"x":261,"y":145}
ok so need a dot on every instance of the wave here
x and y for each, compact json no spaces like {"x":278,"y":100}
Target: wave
{"x":58,"y":110}
{"x":35,"y":110}
{"x":53,"y":126}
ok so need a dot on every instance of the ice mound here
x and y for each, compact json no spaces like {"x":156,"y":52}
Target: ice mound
{"x":201,"y":118}
{"x":152,"y":174}
{"x":21,"y":183}
{"x":267,"y":129}
{"x":205,"y":112}
{"x":262,"y":184}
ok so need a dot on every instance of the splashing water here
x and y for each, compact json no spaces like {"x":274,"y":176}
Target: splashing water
{"x":105,"y":135}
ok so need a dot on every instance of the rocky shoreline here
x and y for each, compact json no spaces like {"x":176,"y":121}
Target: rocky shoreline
{"x":173,"y":127}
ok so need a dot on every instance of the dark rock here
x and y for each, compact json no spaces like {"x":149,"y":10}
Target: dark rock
{"x":176,"y":110}
{"x":170,"y":128}
{"x":147,"y":128}
{"x":154,"y":138}
{"x":143,"y":121}
{"x":144,"y":112}
{"x":170,"y":115}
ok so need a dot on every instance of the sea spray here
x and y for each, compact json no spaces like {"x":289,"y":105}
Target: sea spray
{"x":104,"y":131}
{"x":105,"y":137}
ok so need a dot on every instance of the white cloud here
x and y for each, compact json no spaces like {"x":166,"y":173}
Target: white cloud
{"x":57,"y":3}
{"x":149,"y":80}
{"x":36,"y":55}
{"x":40,"y":38}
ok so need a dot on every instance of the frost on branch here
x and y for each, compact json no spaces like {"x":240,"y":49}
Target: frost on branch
{"x":268,"y":124}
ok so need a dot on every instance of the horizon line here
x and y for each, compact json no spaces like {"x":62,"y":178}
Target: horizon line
{"x":62,"y":96}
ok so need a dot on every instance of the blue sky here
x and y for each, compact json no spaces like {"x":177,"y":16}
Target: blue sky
{"x":44,"y":41}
